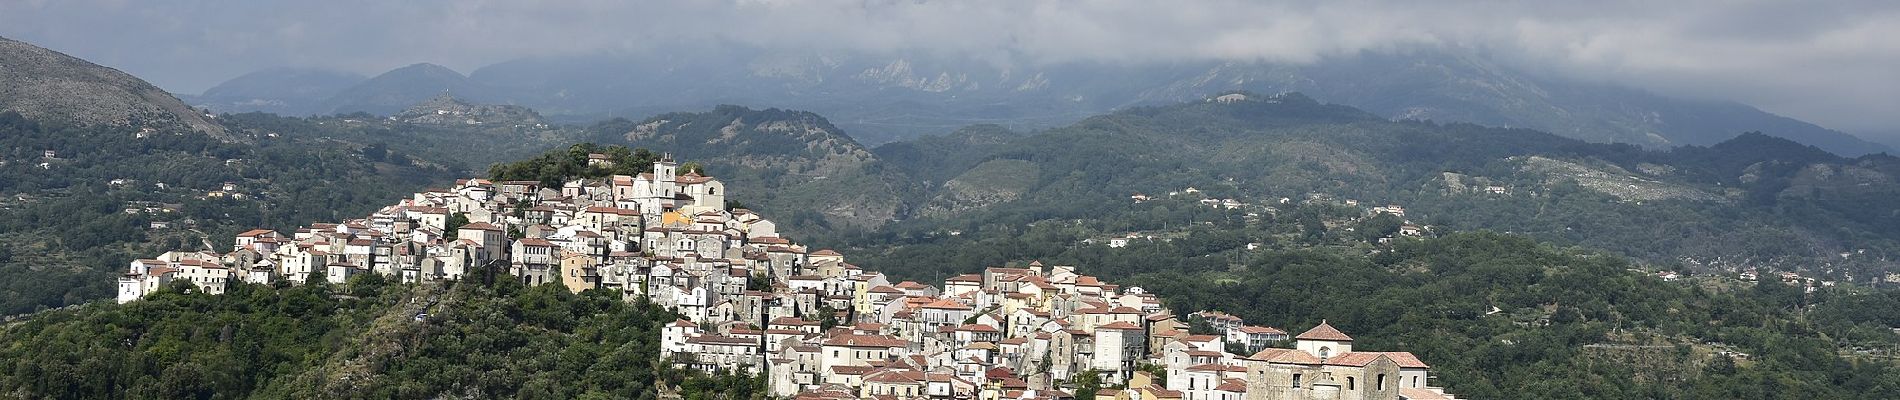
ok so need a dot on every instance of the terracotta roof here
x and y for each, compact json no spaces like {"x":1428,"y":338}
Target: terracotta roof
{"x":1353,"y":359}
{"x":1405,"y":359}
{"x":1203,"y":353}
{"x":1261,"y":329}
{"x":894,"y":376}
{"x":947,"y":304}
{"x":254,"y":232}
{"x":850,"y":369}
{"x":768,"y":240}
{"x":481,"y":226}
{"x":1118,"y":325}
{"x":849,"y":340}
{"x":977,"y":328}
{"x":1235,"y":385}
{"x":826,"y":253}
{"x":691,"y":178}
{"x":1324,"y":331}
{"x":1421,"y":394}
{"x":1207,"y":368}
{"x":1284,"y":356}
{"x":965,"y":278}
{"x":1161,"y":392}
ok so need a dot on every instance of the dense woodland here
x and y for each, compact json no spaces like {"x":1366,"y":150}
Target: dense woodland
{"x":365,"y":339}
{"x":557,"y":166}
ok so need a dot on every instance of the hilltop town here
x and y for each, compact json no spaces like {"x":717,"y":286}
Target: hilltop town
{"x":818,"y":327}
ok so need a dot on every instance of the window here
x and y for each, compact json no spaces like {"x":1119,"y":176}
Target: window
{"x":1296,"y":381}
{"x":1381,"y":382}
{"x":1351,"y":383}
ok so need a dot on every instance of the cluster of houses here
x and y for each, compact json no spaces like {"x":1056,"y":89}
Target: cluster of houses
{"x":817,"y":326}
{"x":1405,"y":229}
{"x":1225,"y":203}
{"x":657,"y":235}
{"x":1808,"y":284}
{"x":1022,"y":333}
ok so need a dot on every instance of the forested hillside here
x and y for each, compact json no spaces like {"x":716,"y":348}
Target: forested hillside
{"x":1753,"y":201}
{"x":366,"y":339}
{"x":81,"y":201}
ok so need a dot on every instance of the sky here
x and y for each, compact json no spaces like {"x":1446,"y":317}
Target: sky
{"x":1834,"y":63}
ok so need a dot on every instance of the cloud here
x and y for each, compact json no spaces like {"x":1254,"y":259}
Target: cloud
{"x":1831,"y":62}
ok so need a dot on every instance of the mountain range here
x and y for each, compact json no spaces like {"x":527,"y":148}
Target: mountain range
{"x":892,"y":97}
{"x":1750,"y":201}
{"x":89,"y":181}
{"x":1743,"y":199}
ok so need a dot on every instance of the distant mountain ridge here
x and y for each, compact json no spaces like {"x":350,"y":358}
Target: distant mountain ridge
{"x":398,"y":89}
{"x":282,"y":91}
{"x":1750,"y":200}
{"x":891,"y":97}
{"x":47,"y":85}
